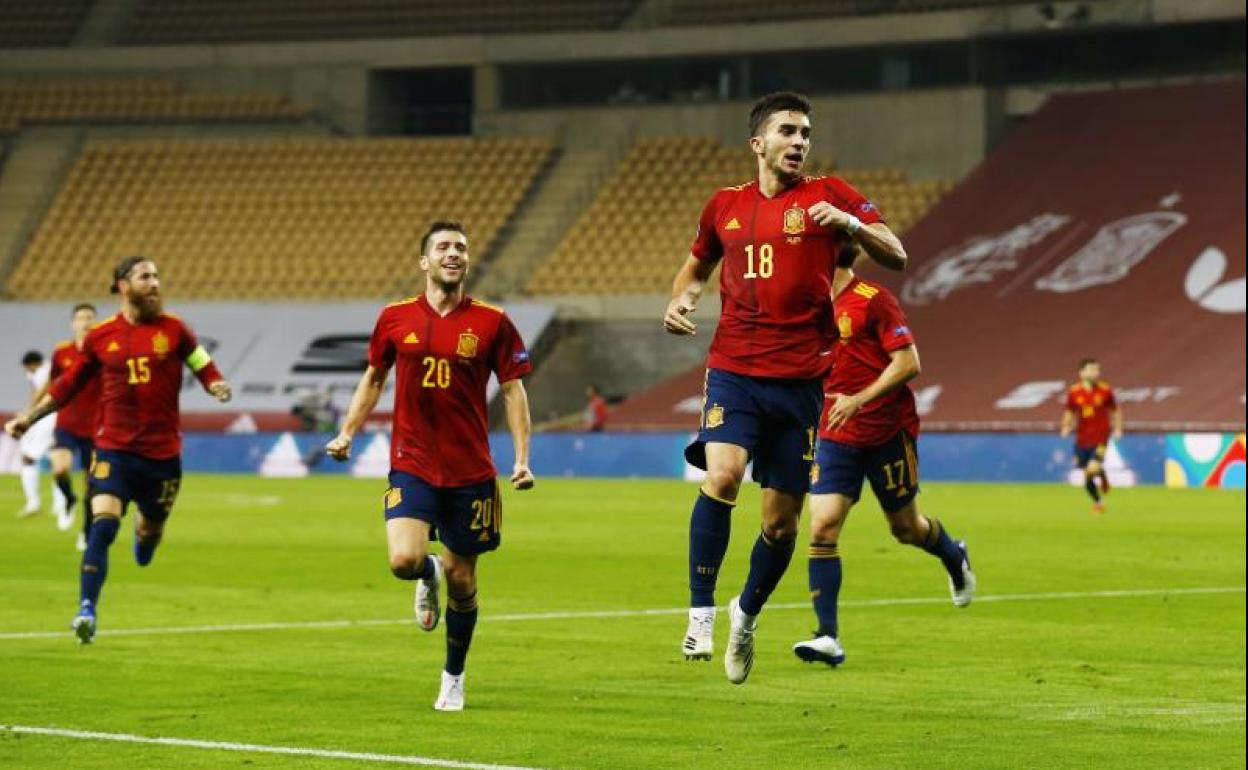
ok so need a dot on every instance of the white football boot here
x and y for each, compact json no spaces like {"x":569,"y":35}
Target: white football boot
{"x":739,"y":657}
{"x":963,"y":597}
{"x":428,"y":606}
{"x":699,"y":643}
{"x":451,"y":694}
{"x":821,"y":649}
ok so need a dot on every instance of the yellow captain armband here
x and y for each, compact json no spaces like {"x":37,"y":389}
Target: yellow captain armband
{"x":198,"y":359}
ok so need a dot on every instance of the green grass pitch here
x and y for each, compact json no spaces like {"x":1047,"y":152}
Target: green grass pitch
{"x":1152,"y":677}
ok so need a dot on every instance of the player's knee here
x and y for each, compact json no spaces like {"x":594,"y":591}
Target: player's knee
{"x":781,"y":530}
{"x":826,"y":529}
{"x":905,"y":529}
{"x":723,"y":483}
{"x":405,"y":564}
{"x":150,"y":532}
{"x":461,"y":579}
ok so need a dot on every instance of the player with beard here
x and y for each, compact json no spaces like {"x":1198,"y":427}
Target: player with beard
{"x":444,"y":345}
{"x":138,"y":356}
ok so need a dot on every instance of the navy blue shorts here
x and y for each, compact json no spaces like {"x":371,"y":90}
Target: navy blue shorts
{"x":891,"y":467}
{"x":1086,"y":454}
{"x":79,"y":445}
{"x":150,"y":484}
{"x":773,"y":419}
{"x":469,"y":519}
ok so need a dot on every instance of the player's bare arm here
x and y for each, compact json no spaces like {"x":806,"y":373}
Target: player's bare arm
{"x":21,"y":423}
{"x":687,"y":289}
{"x":880,"y":243}
{"x":1116,"y":415}
{"x":903,"y":366}
{"x":363,"y":402}
{"x":1068,"y":423}
{"x":519,"y":422}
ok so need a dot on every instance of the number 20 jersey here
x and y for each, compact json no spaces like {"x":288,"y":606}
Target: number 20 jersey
{"x":442,"y":366}
{"x":776,"y":275}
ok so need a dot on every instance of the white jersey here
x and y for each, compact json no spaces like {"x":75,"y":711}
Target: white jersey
{"x":36,"y":442}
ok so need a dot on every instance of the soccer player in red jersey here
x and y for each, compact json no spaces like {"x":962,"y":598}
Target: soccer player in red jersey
{"x":75,"y":422}
{"x":138,"y":356}
{"x":869,"y":429}
{"x":445,"y":345}
{"x":1090,"y":410}
{"x":777,"y":238}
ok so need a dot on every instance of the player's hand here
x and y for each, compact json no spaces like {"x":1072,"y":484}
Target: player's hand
{"x":843,"y":408}
{"x":17,"y":426}
{"x":522,"y":477}
{"x":221,"y":391}
{"x":1117,"y":435}
{"x":676,"y":320}
{"x":339,"y":448}
{"x":826,"y":214}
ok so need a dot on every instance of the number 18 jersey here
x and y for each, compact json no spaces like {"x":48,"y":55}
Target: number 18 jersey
{"x":443,"y":364}
{"x":776,"y":275}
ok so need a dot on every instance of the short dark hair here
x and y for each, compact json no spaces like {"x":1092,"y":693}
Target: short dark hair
{"x":122,"y":271}
{"x":83,"y":306}
{"x":32,"y":358}
{"x":439,"y":226}
{"x":1085,"y":361}
{"x":780,"y":101}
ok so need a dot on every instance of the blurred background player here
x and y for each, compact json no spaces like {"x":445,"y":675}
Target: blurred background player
{"x":442,"y":479}
{"x":1090,"y":410}
{"x":869,"y":429}
{"x":35,"y":444}
{"x":75,"y":425}
{"x":138,"y":356}
{"x":595,"y":410}
{"x":777,"y":237}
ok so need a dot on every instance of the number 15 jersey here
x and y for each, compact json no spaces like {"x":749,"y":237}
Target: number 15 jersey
{"x":443,"y":364}
{"x":776,"y":275}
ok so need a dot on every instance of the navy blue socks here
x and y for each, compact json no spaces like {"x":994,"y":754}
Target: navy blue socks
{"x":461,"y":619}
{"x":768,"y":561}
{"x":95,"y":559}
{"x":824,"y":572}
{"x":709,"y":529}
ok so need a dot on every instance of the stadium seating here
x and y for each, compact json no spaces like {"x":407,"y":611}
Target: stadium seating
{"x":184,"y":21}
{"x":132,"y":101}
{"x":257,"y":219}
{"x":699,"y":12}
{"x":633,"y":236}
{"x":41,"y":24}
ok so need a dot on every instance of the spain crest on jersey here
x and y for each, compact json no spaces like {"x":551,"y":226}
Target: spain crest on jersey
{"x":794,"y":221}
{"x":160,"y":344}
{"x":714,"y":417}
{"x":467,"y":347}
{"x":845,"y":325}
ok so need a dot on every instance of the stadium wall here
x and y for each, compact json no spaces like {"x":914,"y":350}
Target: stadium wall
{"x":1177,"y":460}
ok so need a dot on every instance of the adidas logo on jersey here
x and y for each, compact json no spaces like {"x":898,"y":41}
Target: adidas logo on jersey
{"x":113,"y":347}
{"x":866,"y":291}
{"x":733,"y":224}
{"x":411,"y":339}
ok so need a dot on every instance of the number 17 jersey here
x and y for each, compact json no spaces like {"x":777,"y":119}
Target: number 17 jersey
{"x":776,"y":275}
{"x":442,"y":367}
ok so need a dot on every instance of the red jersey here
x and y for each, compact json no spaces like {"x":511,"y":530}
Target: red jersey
{"x":776,"y":276}
{"x":139,"y":368}
{"x":871,"y":327}
{"x":78,"y":416}
{"x":441,"y":433}
{"x":1092,"y":407}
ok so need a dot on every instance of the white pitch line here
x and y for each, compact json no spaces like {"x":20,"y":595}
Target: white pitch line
{"x":394,"y":759}
{"x":597,"y":614}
